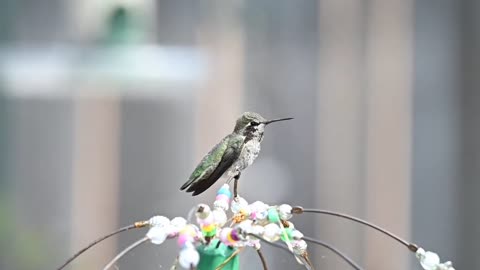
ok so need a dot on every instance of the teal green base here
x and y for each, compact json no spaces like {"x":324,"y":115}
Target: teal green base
{"x":211,"y":257}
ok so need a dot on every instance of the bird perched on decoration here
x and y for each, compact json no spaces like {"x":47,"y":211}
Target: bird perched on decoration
{"x":231,"y":155}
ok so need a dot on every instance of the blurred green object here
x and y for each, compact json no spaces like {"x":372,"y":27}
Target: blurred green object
{"x":123,"y":27}
{"x":212,"y":256}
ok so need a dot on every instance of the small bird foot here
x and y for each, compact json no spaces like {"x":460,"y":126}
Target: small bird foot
{"x":235,"y":187}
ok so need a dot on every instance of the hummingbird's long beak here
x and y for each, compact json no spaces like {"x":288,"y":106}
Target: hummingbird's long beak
{"x":277,"y":120}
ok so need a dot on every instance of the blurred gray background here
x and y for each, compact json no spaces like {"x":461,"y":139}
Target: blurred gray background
{"x":107,"y":106}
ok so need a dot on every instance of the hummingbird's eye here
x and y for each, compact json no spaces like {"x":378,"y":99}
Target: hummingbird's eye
{"x":254,"y":123}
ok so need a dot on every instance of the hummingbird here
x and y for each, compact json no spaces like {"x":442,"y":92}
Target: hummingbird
{"x":231,"y":155}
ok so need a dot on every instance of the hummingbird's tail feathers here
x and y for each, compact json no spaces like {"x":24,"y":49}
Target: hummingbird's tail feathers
{"x":188,"y":183}
{"x":200,"y":174}
{"x":201,"y":185}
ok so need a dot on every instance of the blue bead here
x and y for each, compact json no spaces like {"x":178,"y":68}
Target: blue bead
{"x":224,"y":191}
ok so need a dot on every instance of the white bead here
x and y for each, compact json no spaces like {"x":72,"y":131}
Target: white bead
{"x":219,"y":217}
{"x":297,"y":235}
{"x":272,"y":232}
{"x":238,"y":204}
{"x":299,"y":247}
{"x":285,"y":211}
{"x":178,"y":223}
{"x":430,"y":261}
{"x":159,"y":221}
{"x":157,"y":235}
{"x":445,"y":266}
{"x":260,"y":209}
{"x":188,"y":257}
{"x":420,"y":254}
{"x":257,"y":230}
{"x":203,"y":211}
{"x":259,"y":206}
{"x":448,"y":265}
{"x":221,"y":204}
{"x":244,"y":227}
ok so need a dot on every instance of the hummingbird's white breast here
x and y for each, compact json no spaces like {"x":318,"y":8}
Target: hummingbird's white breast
{"x":249,"y":153}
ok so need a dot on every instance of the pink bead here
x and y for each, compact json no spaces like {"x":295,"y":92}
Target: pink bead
{"x":224,"y":235}
{"x":183,"y":238}
{"x":222,"y":197}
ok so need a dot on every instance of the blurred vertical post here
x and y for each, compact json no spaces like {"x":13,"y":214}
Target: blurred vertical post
{"x":470,"y":53}
{"x":341,"y":120}
{"x":95,"y":187}
{"x":221,"y":37}
{"x":95,"y":176}
{"x":389,"y":77}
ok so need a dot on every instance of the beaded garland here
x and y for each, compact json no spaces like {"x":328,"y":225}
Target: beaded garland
{"x":248,"y":220}
{"x":211,"y":245}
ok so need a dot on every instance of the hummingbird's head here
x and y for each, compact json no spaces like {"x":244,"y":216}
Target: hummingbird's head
{"x":253,"y":122}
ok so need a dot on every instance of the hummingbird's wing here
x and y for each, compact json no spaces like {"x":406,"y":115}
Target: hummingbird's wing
{"x":214,"y":165}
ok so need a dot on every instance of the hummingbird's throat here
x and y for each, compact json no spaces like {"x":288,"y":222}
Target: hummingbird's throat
{"x":254,"y":132}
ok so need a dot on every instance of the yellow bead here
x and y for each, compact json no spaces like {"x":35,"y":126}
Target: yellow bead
{"x":230,"y":239}
{"x":189,"y":230}
{"x":208,"y":228}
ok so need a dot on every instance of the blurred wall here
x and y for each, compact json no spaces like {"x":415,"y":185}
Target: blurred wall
{"x":437,"y":126}
{"x":470,"y":145}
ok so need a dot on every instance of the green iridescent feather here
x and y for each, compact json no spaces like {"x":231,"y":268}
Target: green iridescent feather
{"x":214,"y":164}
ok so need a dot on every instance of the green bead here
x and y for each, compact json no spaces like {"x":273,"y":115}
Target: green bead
{"x":214,"y":254}
{"x":288,"y":232}
{"x":273,"y":216}
{"x":210,"y":233}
